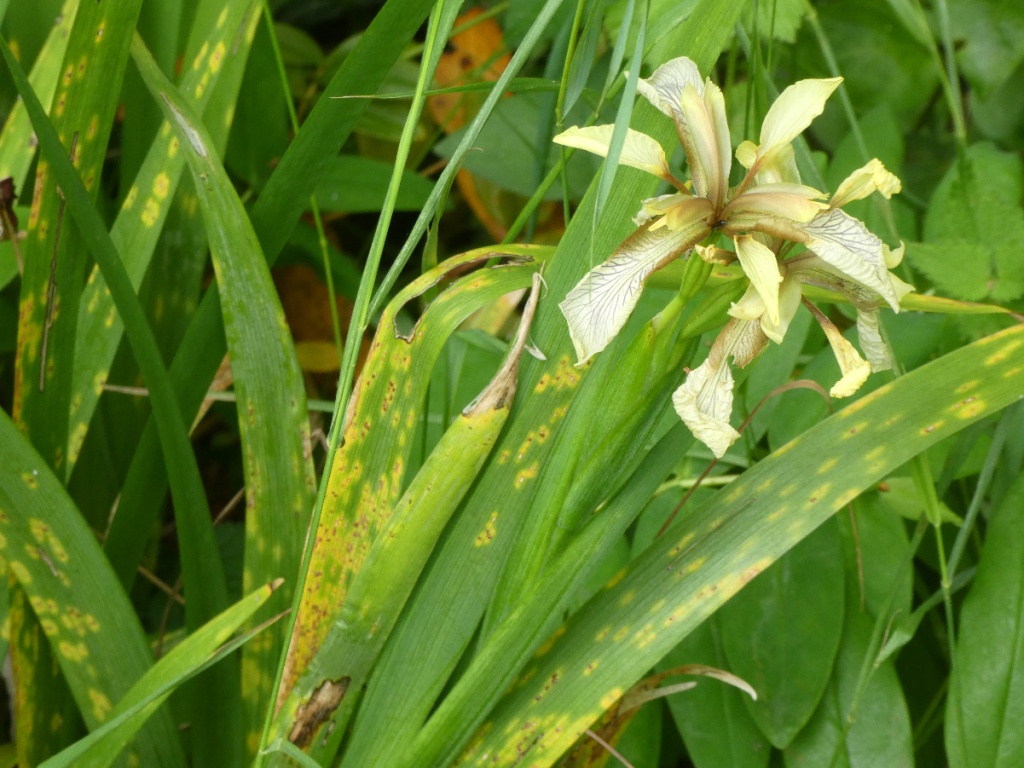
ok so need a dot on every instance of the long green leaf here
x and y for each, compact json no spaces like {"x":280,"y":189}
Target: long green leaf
{"x":141,"y":220}
{"x":367,"y":476}
{"x":984,"y":708}
{"x":703,"y":560}
{"x":274,"y":421}
{"x":202,"y":571}
{"x":461,"y":580}
{"x":87,"y":618}
{"x":204,"y":647}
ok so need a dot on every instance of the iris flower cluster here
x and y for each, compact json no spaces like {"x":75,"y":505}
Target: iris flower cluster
{"x":764,"y":216}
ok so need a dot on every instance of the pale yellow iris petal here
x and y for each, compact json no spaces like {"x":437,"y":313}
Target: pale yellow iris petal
{"x":791,"y":201}
{"x":698,"y":137}
{"x":862,"y":182}
{"x":638,"y":150}
{"x":893,"y":257}
{"x":793,"y":111}
{"x":789,"y":302}
{"x":761,"y":267}
{"x":854,"y":368}
{"x":653,"y":207}
{"x":704,"y":401}
{"x":714,"y":101}
{"x":599,"y":305}
{"x":845,"y":243}
{"x":876,"y":350}
{"x":664,"y":88}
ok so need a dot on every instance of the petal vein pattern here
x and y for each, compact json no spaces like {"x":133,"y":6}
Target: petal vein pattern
{"x":845,"y":243}
{"x":599,"y":305}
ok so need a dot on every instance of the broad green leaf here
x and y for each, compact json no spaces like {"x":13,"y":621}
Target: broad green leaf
{"x":713,"y":719}
{"x":782,"y":632}
{"x":990,"y":37}
{"x":201,"y":649}
{"x":972,"y":227}
{"x":88,"y":621}
{"x":986,"y":697}
{"x":879,"y":728}
{"x":706,"y":558}
{"x":273,"y":420}
{"x":354,"y":184}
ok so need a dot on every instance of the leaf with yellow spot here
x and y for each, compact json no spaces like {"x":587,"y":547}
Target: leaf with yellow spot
{"x":99,"y":642}
{"x":730,"y":531}
{"x":379,"y":589}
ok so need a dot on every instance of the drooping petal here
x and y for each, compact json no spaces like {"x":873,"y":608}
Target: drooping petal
{"x":793,"y":111}
{"x":599,"y":305}
{"x":855,"y":369}
{"x":862,"y":182}
{"x":638,"y":150}
{"x":792,"y":201}
{"x":761,"y":267}
{"x":664,"y":88}
{"x":846,"y":244}
{"x":704,"y":401}
{"x":876,"y":349}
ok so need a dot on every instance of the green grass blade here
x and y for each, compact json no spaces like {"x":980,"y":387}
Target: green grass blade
{"x":274,"y":422}
{"x":85,"y":614}
{"x":200,"y":650}
{"x":703,"y":560}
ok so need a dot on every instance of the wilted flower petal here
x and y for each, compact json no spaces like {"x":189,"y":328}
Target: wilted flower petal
{"x":599,"y":305}
{"x":862,"y":182}
{"x":704,"y":401}
{"x":638,"y":150}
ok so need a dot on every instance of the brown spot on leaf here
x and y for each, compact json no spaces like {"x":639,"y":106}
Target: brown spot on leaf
{"x":317,"y":710}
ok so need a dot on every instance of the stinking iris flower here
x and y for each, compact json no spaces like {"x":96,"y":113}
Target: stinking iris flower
{"x":764,"y":215}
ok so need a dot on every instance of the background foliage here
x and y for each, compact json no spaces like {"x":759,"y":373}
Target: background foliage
{"x":237,"y":221}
